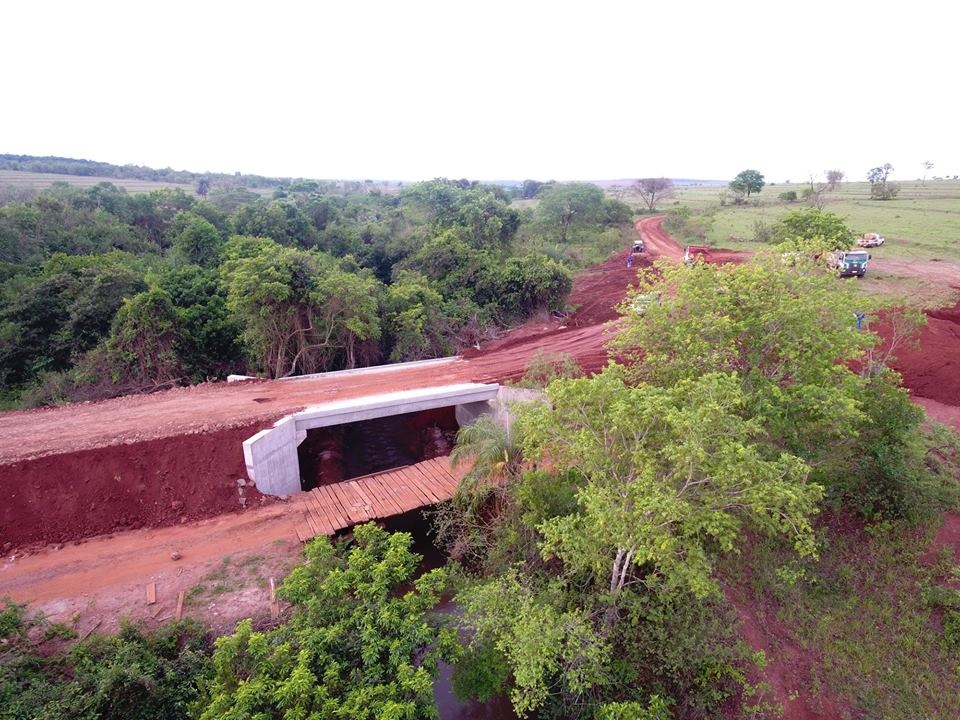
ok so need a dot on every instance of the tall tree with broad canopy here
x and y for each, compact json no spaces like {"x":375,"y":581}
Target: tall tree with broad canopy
{"x":566,"y":207}
{"x":672,"y":475}
{"x":786,"y":331}
{"x":651,"y":190}
{"x":747,"y":182}
{"x":834,"y":178}
{"x":298,"y":308}
{"x":880,"y":186}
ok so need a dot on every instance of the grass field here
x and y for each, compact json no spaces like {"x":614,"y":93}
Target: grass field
{"x":922,"y":223}
{"x":39,"y":181}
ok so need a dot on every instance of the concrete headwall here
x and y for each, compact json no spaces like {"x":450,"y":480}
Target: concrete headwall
{"x":271,"y":455}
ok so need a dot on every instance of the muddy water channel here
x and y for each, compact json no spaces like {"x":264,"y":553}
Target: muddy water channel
{"x":342,"y":452}
{"x":418,"y":524}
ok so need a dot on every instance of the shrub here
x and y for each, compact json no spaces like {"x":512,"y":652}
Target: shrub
{"x":788,"y":196}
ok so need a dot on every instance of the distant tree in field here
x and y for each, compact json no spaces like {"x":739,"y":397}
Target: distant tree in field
{"x":927,"y":167}
{"x":530,"y":188}
{"x":813,"y":224}
{"x":880,"y":187}
{"x":203,"y":187}
{"x":834,"y":178}
{"x":565,"y":208}
{"x":651,"y":190}
{"x":747,"y":183}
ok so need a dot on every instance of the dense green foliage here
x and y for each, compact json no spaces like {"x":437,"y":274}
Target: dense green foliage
{"x":317,"y":278}
{"x":740,"y":407}
{"x":812,"y":224}
{"x":129,"y":675}
{"x":359,"y":645}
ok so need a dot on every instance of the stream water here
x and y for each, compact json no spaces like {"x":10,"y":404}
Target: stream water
{"x":449,"y":707}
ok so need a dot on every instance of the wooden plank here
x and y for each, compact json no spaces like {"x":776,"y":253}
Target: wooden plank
{"x":419,"y":483}
{"x":441,"y":467}
{"x":358,"y":506}
{"x":320,"y":514}
{"x":443,"y":481}
{"x":331,"y":506}
{"x":363,"y":490}
{"x":433,"y":481}
{"x":151,"y":593}
{"x":385,"y":503}
{"x":274,"y":605}
{"x":179,"y":613}
{"x":314,"y":527}
{"x":342,"y":503}
{"x":407,"y":498}
{"x":346,"y":502}
{"x":437,"y":482}
{"x":398,"y":498}
{"x":337,"y":506}
{"x":303,"y":532}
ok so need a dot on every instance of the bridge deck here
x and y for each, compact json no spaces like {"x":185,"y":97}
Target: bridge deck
{"x":329,"y":508}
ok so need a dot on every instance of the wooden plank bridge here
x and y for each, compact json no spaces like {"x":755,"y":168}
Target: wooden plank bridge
{"x":329,"y":508}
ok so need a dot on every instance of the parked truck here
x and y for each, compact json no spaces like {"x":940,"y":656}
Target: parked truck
{"x":849,"y":263}
{"x":870,"y":240}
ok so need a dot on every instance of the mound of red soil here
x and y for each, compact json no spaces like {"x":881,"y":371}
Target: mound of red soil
{"x":717,"y":256}
{"x":933,"y":370}
{"x":58,"y":498}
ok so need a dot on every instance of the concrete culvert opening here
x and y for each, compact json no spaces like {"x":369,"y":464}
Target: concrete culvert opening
{"x":341,"y":452}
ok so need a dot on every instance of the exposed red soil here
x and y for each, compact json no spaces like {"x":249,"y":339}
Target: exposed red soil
{"x":73,"y":495}
{"x":788,"y":671}
{"x":933,"y":370}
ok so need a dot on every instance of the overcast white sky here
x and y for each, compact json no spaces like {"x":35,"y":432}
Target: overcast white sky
{"x":486,"y":90}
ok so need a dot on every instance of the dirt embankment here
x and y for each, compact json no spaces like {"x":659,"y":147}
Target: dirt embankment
{"x":932,"y":370}
{"x":59,"y":498}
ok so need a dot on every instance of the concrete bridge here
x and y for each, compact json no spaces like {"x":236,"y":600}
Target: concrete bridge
{"x":271,"y":454}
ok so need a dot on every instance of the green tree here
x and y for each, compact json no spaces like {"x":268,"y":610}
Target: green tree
{"x":812,"y":224}
{"x":350,"y":303}
{"x":568,"y":208}
{"x":672,"y":476}
{"x":834,"y":178}
{"x":550,"y":645}
{"x":784,"y":330}
{"x":880,"y":186}
{"x":416,"y":326}
{"x":359,"y":645}
{"x":651,"y":190}
{"x":747,"y":182}
{"x":143,"y":341}
{"x":195,"y":241}
{"x":209,"y":343}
